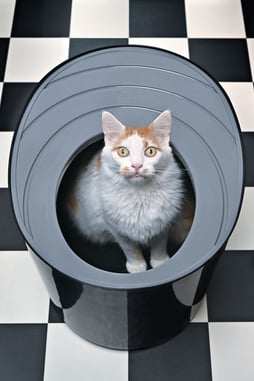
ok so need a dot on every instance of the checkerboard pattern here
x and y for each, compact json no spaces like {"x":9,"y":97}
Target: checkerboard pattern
{"x":35,"y":36}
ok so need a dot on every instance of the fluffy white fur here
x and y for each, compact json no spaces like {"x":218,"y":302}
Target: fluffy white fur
{"x":134,"y":199}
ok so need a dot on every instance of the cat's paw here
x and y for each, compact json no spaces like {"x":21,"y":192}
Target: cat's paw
{"x":136,"y":267}
{"x":155,"y":262}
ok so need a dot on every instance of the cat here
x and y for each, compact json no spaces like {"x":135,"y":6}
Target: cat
{"x":131,"y":192}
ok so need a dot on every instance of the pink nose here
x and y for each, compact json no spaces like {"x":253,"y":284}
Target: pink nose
{"x":137,"y":166}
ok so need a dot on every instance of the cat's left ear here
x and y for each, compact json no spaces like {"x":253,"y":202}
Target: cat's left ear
{"x":161,"y":127}
{"x":112,"y":128}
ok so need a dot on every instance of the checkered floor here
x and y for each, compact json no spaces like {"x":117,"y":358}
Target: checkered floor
{"x":35,"y":36}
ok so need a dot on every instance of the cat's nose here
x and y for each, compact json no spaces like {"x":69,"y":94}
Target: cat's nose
{"x":137,"y":166}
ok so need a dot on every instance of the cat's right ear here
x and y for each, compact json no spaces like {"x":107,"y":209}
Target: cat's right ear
{"x":112,"y":128}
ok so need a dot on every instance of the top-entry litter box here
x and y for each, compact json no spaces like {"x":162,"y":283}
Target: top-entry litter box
{"x":63,"y":119}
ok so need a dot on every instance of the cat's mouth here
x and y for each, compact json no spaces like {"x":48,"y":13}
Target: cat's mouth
{"x":133,"y":175}
{"x":138,"y":177}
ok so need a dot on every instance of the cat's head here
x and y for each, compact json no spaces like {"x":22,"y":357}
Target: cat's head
{"x":137,"y":153}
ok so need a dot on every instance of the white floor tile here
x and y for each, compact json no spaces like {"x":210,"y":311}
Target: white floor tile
{"x":232,"y":351}
{"x":5,"y":146}
{"x":250,"y":42}
{"x":6,"y":16}
{"x":242,"y":237}
{"x":100,"y":19}
{"x":176,"y":45}
{"x":35,"y":58}
{"x":23,"y":296}
{"x":214,"y":18}
{"x":241,"y":95}
{"x":69,"y":357}
{"x":201,"y":316}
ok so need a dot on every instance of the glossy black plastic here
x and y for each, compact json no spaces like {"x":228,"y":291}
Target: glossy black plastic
{"x":127,"y":319}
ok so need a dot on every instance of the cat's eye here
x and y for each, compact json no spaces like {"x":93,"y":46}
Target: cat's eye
{"x":123,"y":152}
{"x":150,"y":151}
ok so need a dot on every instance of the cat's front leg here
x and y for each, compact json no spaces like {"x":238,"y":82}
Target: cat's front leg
{"x":159,"y":250}
{"x":135,"y":260}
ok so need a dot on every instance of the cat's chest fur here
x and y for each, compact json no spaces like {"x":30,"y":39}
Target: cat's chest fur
{"x":140,"y":211}
{"x":106,"y":203}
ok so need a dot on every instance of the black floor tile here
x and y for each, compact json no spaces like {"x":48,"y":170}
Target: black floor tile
{"x":224,"y":59}
{"x":14,"y":99}
{"x":83,"y":45}
{"x":10,"y":237}
{"x":248,"y":14}
{"x":22,"y":352}
{"x":55,"y":314}
{"x":248,"y":152}
{"x":230,"y":295}
{"x":157,"y":18}
{"x":45,"y":18}
{"x":186,"y":357}
{"x":4,"y":44}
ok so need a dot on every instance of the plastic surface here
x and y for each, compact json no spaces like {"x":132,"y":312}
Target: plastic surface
{"x":135,"y":84}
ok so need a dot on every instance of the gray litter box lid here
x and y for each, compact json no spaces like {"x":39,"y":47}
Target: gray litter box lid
{"x":136,"y":84}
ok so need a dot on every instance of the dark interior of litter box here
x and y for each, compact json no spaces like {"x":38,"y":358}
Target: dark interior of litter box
{"x":108,"y":257}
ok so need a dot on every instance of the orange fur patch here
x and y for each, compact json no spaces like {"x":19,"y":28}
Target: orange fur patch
{"x":146,"y":133}
{"x":73,"y":201}
{"x":188,"y":211}
{"x":98,"y":163}
{"x":145,"y":142}
{"x":138,"y":254}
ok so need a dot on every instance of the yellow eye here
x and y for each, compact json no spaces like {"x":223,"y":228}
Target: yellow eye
{"x":123,"y":152}
{"x":150,"y":151}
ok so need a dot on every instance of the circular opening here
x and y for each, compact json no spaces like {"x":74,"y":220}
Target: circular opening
{"x":108,"y":256}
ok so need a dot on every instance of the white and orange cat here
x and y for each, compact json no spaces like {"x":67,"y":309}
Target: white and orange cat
{"x":131,"y":191}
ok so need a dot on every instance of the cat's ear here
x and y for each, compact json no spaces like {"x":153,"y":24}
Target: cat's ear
{"x":112,"y":128}
{"x":161,"y":127}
